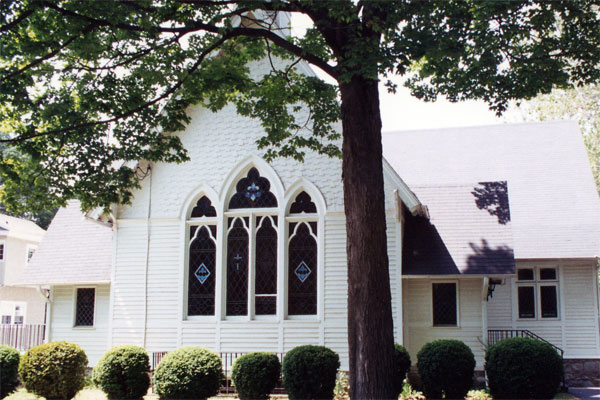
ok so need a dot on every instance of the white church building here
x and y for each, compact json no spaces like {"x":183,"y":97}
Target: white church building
{"x":492,"y":232}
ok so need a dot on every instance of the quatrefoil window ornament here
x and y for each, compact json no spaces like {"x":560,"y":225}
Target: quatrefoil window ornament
{"x":252,"y":191}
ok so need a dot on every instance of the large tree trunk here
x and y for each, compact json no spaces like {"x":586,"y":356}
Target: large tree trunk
{"x":370,"y":325}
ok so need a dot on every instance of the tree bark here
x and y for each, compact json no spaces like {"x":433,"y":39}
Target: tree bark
{"x":370,"y":324}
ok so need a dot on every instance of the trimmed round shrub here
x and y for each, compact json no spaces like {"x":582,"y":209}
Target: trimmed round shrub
{"x":122,"y":372}
{"x":54,"y":370}
{"x":309,"y":372}
{"x":402,"y":360}
{"x":255,"y":375}
{"x":9,"y":370}
{"x":190,"y":372}
{"x":523,"y":368}
{"x":446,"y":368}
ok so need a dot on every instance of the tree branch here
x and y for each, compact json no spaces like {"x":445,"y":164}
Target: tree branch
{"x":16,"y":21}
{"x":87,"y":30}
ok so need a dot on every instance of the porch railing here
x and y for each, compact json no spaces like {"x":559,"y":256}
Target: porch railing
{"x":496,"y":335}
{"x":227,"y":360}
{"x":22,"y":337}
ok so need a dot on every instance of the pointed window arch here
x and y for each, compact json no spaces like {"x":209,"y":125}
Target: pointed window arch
{"x":303,"y":204}
{"x":201,"y":270}
{"x":253,"y":191}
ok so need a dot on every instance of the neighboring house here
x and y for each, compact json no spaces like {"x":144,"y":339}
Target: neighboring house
{"x":19,"y":239}
{"x":496,"y":234}
{"x":74,"y":262}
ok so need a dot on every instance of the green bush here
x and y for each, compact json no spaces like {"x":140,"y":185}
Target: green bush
{"x":54,"y":370}
{"x":402,"y":359}
{"x":9,"y":370}
{"x":523,"y":368}
{"x":190,"y":372}
{"x":255,"y":375}
{"x":309,"y":372}
{"x":446,"y":368}
{"x":122,"y":372}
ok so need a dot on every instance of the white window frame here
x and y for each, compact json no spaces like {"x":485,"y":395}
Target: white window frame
{"x":74,"y":310}
{"x":537,"y":283}
{"x":221,"y":201}
{"x":29,"y":247}
{"x":456,"y":282}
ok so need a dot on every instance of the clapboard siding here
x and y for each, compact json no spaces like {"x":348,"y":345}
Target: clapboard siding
{"x":576,"y":330}
{"x":94,"y":339}
{"x":418,"y":319}
{"x":336,"y":271}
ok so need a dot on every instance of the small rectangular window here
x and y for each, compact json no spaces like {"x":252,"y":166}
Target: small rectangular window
{"x":2,"y":251}
{"x":30,"y":251}
{"x":548,"y":274}
{"x":6,"y":319}
{"x":18,"y":319}
{"x":549,"y":301}
{"x":84,"y":313}
{"x":444,"y":304}
{"x":526,"y":302}
{"x":525,"y":274}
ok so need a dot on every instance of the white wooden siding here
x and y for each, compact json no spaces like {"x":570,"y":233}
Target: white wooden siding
{"x":418,"y":319}
{"x":576,"y":330}
{"x":93,"y":340}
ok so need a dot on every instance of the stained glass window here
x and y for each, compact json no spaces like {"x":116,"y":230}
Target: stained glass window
{"x":303,"y":204}
{"x":204,"y":208}
{"x":302,"y":269}
{"x":253,"y":191}
{"x":84,"y":310}
{"x":266,"y":267}
{"x":237,"y":269}
{"x":202,"y":274}
{"x":444,"y":304}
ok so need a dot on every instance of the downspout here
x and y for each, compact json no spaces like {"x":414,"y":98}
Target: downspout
{"x":47,"y":311}
{"x":149,"y":171}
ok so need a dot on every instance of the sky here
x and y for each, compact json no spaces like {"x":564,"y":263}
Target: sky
{"x":401,"y":111}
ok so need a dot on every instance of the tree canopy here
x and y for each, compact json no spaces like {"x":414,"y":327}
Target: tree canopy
{"x":87,"y":86}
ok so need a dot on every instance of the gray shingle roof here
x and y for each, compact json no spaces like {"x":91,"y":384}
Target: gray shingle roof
{"x":74,"y":250}
{"x":554,"y":206}
{"x":468,"y":232}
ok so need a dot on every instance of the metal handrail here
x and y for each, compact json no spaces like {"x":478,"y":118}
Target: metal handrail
{"x":495,"y":335}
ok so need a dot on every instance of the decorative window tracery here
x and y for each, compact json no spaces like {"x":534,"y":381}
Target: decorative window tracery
{"x":253,"y":191}
{"x":237,"y":267}
{"x":302,"y":268}
{"x":204,"y":208}
{"x":201,"y":270}
{"x":303,"y":204}
{"x":266,"y":266}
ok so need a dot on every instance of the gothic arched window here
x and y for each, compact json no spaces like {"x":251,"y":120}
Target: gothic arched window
{"x":302,"y":256}
{"x":252,"y":248}
{"x":202,"y":259}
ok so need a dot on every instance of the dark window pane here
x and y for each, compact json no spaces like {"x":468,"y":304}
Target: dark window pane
{"x":303,"y":204}
{"x":6,"y":319}
{"x":18,"y":319}
{"x":253,"y":191}
{"x":1,"y":251}
{"x":237,"y":270}
{"x":526,"y":302}
{"x":266,"y":305}
{"x":204,"y":208}
{"x":202,"y":276}
{"x":302,"y":273}
{"x":84,"y":315}
{"x":549,"y":301}
{"x":548,"y":274}
{"x":444,"y":304}
{"x":525,"y":274}
{"x":266,"y":263}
